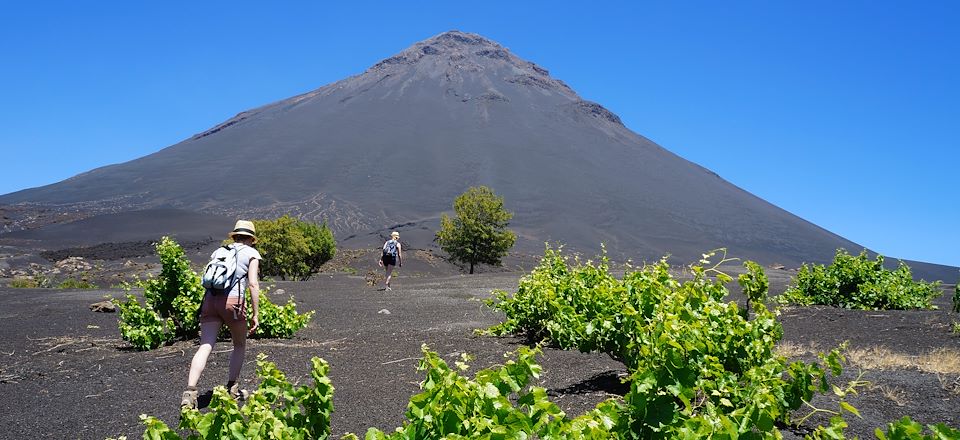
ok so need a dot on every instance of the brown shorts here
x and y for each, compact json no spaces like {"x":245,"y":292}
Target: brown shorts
{"x":222,"y":308}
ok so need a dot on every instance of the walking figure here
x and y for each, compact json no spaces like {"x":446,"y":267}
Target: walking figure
{"x":228,"y":307}
{"x":391,"y":256}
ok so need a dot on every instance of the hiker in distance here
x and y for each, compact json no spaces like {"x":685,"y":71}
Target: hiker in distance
{"x":391,"y":256}
{"x":232,"y":269}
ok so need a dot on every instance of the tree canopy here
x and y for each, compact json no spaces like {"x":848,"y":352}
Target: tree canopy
{"x":293,"y":248}
{"x":478,"y":233}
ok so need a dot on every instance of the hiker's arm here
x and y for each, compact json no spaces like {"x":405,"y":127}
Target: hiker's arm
{"x":253,"y":281}
{"x":399,"y":254}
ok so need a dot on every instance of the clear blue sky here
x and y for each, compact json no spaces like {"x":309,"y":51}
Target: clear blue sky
{"x":845,"y":113}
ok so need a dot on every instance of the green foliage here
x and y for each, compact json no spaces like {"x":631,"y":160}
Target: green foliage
{"x":172,"y":304}
{"x":835,"y":429}
{"x":478,"y":233}
{"x":143,"y":327}
{"x":24,"y":283}
{"x":698,"y":366}
{"x":278,"y":321}
{"x":39,"y":280}
{"x":277,"y":410}
{"x":754,"y":283}
{"x":907,"y":429}
{"x":855,"y":282}
{"x":292,"y":248}
{"x":698,"y":369}
{"x":71,"y":283}
{"x":497,"y":403}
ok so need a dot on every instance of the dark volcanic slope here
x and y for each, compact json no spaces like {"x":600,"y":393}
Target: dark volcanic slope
{"x":397,"y":143}
{"x":150,"y":224}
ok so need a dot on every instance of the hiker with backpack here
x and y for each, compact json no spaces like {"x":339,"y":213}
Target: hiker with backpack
{"x":232,"y":269}
{"x":391,"y":256}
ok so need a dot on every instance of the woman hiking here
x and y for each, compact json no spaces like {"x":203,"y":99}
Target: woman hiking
{"x":228,"y":308}
{"x":391,"y":256}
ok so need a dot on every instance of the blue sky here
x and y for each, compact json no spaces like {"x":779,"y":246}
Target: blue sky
{"x":843,"y":113}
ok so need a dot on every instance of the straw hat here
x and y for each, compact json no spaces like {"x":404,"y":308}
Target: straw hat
{"x":394,"y":235}
{"x":244,"y":227}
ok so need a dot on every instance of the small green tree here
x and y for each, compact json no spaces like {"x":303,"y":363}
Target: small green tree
{"x":478,"y":233}
{"x":293,"y":248}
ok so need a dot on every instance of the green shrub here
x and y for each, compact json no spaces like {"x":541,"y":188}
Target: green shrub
{"x":71,"y":283}
{"x":698,"y":369}
{"x":277,"y":410}
{"x":856,"y":282}
{"x":172,"y":301}
{"x":279,"y":321}
{"x":907,"y":429}
{"x":24,"y":283}
{"x":696,"y":363}
{"x":498,"y":402}
{"x":172,"y":304}
{"x":292,"y":248}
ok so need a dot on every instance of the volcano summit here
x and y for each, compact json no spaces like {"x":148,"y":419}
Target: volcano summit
{"x":393,"y":146}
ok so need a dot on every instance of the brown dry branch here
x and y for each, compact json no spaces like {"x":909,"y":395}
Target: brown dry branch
{"x":302,"y":344}
{"x":9,"y":378}
{"x":56,"y":342}
{"x":948,"y":384}
{"x":893,"y":394}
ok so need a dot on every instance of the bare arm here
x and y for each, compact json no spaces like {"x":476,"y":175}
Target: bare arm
{"x":253,"y":281}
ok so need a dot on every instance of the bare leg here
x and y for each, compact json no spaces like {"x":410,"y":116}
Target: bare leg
{"x":238,"y":333}
{"x":389,"y":269}
{"x":208,"y":337}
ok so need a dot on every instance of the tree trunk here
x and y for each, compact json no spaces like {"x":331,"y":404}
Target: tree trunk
{"x":471,"y":268}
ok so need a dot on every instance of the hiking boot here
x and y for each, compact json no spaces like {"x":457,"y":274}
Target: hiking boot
{"x":189,"y":399}
{"x":237,"y":393}
{"x":388,"y":289}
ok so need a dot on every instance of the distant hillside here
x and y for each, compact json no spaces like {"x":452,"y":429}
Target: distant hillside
{"x":392,"y":147}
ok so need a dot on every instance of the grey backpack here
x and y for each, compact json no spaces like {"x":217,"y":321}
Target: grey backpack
{"x":219,"y":276}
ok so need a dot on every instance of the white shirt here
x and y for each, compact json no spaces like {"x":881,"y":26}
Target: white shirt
{"x":244,"y":255}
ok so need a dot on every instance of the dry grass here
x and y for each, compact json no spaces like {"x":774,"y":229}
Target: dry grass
{"x":945,"y":361}
{"x":793,"y":351}
{"x":346,"y":260}
{"x":893,"y":394}
{"x":939,"y":361}
{"x":429,"y":257}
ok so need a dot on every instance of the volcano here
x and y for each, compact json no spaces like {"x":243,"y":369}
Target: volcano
{"x":392,"y":147}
